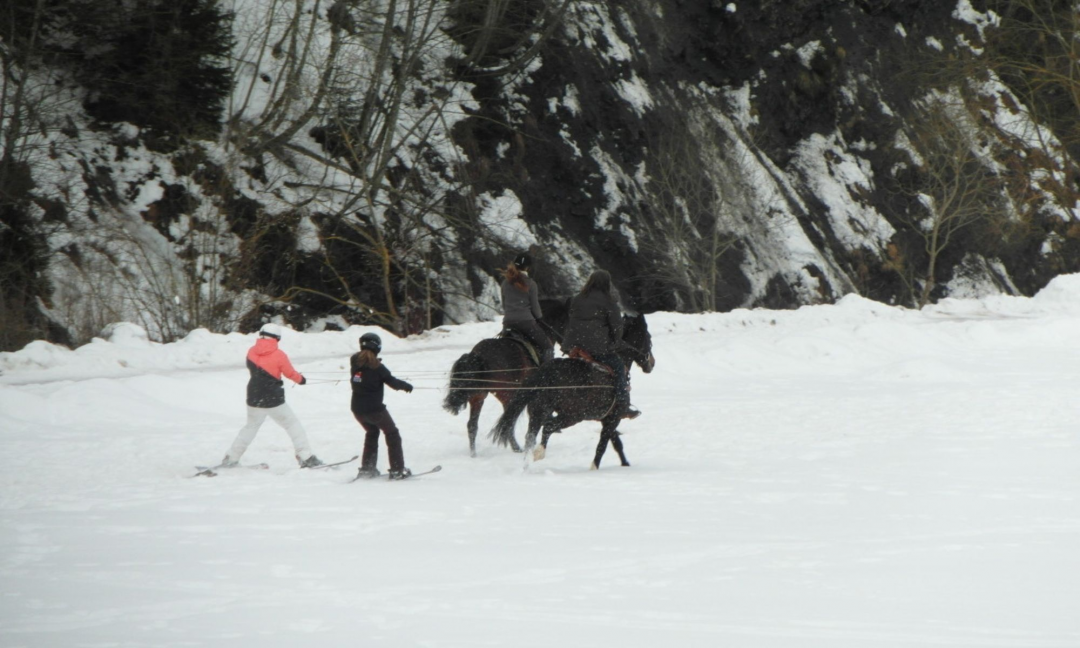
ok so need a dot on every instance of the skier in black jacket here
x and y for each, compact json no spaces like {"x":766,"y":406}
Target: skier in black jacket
{"x":367,"y":377}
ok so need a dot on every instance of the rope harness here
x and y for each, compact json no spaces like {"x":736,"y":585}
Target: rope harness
{"x":576,"y":353}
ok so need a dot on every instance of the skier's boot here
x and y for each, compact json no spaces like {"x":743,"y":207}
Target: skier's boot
{"x":367,"y":472}
{"x":404,"y":473}
{"x":311,"y":462}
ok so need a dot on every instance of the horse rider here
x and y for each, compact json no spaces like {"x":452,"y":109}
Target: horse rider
{"x":595,"y":327}
{"x":521,"y":305}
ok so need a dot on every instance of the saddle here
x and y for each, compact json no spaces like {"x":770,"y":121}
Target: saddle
{"x":530,"y":349}
{"x":577,"y":353}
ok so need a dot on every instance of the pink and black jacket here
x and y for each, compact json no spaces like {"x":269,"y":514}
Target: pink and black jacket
{"x":267,"y":365}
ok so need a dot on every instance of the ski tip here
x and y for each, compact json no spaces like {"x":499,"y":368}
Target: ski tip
{"x":427,"y":472}
{"x":212,"y":471}
{"x":333,"y":464}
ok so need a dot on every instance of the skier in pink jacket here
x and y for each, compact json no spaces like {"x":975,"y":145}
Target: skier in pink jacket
{"x":266,"y":397}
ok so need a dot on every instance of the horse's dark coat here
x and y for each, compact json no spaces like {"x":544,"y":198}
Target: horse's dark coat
{"x":565,"y":392}
{"x":497,"y":366}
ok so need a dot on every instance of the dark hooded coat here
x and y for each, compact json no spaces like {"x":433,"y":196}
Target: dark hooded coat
{"x":595,"y":323}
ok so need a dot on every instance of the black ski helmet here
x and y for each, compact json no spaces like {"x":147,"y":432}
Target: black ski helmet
{"x":371,"y":342}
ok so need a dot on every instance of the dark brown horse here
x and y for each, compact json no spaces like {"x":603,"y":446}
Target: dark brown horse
{"x":567,"y":391}
{"x":498,"y":366}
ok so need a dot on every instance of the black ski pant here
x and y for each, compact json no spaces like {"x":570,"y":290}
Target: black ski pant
{"x":622,"y":379}
{"x":373,"y":423}
{"x":531,"y":329}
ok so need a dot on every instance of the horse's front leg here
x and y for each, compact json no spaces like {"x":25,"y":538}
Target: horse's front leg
{"x":616,"y":442}
{"x":609,"y":432}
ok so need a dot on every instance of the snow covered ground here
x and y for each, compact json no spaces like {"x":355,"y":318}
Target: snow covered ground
{"x":840,"y":476}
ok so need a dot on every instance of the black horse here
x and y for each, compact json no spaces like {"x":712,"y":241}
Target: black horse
{"x":568,"y":391}
{"x":498,"y":366}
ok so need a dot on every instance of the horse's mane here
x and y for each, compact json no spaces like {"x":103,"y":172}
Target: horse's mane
{"x":556,"y":308}
{"x":556,"y":315}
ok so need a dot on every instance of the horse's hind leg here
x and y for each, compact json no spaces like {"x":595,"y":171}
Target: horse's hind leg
{"x":537,"y":421}
{"x":550,"y":426}
{"x":475,"y":405}
{"x":514,"y":444}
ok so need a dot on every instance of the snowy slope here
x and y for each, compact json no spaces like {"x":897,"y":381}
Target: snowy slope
{"x":852,"y":475}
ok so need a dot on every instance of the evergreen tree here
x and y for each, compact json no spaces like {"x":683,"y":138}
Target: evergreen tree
{"x":162,"y":64}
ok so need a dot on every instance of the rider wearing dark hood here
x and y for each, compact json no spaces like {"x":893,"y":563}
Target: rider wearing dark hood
{"x":596,"y":327}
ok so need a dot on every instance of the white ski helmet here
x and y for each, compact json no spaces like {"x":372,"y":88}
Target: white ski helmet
{"x":270,"y":331}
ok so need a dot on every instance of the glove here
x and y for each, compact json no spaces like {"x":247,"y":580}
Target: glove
{"x":303,"y":380}
{"x":407,"y":388}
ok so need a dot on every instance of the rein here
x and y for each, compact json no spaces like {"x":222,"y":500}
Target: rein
{"x":558,"y":337}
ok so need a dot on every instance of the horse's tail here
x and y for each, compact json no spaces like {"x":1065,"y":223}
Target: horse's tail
{"x":463,"y":382}
{"x":503,"y":432}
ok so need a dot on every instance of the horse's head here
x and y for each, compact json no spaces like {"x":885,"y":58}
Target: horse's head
{"x":638,"y":342}
{"x":556,"y":314}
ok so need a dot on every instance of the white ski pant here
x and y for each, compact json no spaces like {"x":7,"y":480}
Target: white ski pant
{"x":284,"y":417}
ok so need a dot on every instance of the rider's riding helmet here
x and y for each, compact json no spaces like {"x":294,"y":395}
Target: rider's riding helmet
{"x":370,"y":342}
{"x":522,"y":262}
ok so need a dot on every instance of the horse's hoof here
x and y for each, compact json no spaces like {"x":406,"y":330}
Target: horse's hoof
{"x":539,"y":453}
{"x":593,"y":467}
{"x":626,"y":463}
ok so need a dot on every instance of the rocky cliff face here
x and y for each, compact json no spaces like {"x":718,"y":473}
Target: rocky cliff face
{"x":787,"y":129}
{"x":711,"y":155}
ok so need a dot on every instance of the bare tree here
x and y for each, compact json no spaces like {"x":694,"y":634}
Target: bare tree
{"x":382,"y":119}
{"x":285,"y":70}
{"x":170,"y":278}
{"x":379,"y":105}
{"x":952,"y":186}
{"x":501,"y":37}
{"x":688,"y":199}
{"x":1035,"y":49}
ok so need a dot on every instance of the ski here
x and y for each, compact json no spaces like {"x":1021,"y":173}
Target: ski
{"x":211,"y":471}
{"x":336,"y":463}
{"x":387,"y":476}
{"x":426,"y":472}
